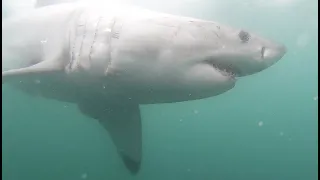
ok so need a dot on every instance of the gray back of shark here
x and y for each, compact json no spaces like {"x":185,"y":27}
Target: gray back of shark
{"x":108,"y":59}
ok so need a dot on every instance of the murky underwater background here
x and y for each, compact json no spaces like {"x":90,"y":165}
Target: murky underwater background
{"x":264,"y":129}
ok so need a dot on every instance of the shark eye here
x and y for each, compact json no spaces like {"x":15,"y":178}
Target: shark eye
{"x":244,"y":36}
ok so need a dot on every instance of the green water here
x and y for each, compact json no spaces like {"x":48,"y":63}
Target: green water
{"x":264,"y":129}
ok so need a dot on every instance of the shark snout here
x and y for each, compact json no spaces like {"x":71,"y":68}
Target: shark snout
{"x":269,"y":55}
{"x":273,"y":54}
{"x":281,"y":50}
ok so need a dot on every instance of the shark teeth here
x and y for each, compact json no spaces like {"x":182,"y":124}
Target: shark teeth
{"x":225,"y":71}
{"x":224,"y":68}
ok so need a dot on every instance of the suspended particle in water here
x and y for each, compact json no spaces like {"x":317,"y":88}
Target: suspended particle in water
{"x":260,"y":124}
{"x":315,"y":98}
{"x":37,"y":81}
{"x":281,"y":133}
{"x":303,"y":40}
{"x":84,"y":176}
{"x":180,"y":120}
{"x":195,"y":111}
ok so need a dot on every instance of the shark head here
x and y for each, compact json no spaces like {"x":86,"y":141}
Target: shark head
{"x":195,"y":59}
{"x":241,"y":53}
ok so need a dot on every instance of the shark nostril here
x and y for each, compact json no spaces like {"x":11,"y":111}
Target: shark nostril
{"x":262,"y":52}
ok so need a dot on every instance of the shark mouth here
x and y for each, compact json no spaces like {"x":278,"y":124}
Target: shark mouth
{"x":225,"y":69}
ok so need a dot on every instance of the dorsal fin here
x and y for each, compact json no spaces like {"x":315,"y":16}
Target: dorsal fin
{"x":42,"y":3}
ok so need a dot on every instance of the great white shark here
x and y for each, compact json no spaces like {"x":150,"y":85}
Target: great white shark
{"x":110,"y":58}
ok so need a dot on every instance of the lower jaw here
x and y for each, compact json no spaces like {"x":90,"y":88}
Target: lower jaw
{"x":227,"y":73}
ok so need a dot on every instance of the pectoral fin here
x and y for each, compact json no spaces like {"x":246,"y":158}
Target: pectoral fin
{"x":123,"y":124}
{"x":44,"y":67}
